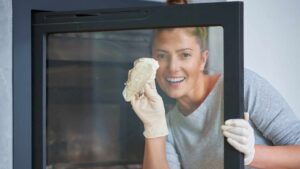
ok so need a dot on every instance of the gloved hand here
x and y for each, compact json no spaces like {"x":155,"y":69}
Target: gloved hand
{"x":240,"y":135}
{"x":150,"y":109}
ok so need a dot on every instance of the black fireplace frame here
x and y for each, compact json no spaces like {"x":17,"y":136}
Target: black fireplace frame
{"x":229,"y":15}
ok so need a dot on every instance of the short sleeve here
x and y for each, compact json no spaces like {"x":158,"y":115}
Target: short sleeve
{"x":269,"y":112}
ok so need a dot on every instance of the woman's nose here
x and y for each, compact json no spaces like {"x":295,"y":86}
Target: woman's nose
{"x":173,"y":65}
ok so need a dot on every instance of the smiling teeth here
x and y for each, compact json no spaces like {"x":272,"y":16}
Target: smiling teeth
{"x":175,"y":79}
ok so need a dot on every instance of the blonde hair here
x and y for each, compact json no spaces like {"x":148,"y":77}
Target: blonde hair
{"x":200,"y":33}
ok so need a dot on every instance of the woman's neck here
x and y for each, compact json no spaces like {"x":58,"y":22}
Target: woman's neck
{"x":189,"y":104}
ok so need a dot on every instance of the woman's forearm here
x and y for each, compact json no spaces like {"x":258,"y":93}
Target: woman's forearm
{"x":155,"y":153}
{"x":276,"y":157}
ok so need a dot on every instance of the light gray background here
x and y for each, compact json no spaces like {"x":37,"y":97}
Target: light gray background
{"x":271,"y":43}
{"x":5,"y":84}
{"x":272,"y":39}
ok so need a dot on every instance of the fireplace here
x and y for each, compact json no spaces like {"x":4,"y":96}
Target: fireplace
{"x":80,"y":63}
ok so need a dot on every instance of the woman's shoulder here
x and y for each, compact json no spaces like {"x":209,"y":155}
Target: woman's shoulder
{"x":254,"y":81}
{"x":250,"y":75}
{"x":260,"y":95}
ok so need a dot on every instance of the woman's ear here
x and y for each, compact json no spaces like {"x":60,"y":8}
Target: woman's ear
{"x":204,"y":56}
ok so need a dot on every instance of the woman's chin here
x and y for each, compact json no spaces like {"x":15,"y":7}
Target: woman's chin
{"x":174,"y":95}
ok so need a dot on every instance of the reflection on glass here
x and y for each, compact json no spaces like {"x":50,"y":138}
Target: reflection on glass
{"x":89,"y":125}
{"x":88,"y":122}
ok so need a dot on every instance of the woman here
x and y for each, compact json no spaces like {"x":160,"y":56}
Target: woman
{"x":195,"y":137}
{"x":181,"y":76}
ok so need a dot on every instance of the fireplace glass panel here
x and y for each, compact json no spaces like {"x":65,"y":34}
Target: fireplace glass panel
{"x":89,"y":125}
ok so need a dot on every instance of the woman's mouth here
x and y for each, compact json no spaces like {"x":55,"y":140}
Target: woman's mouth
{"x":175,"y":80}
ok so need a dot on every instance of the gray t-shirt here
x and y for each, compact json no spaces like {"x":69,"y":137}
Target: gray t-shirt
{"x":196,"y":142}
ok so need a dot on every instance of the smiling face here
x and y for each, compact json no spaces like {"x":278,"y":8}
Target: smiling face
{"x":181,"y":62}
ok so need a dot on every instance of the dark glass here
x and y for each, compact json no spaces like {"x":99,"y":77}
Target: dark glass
{"x":89,"y":125}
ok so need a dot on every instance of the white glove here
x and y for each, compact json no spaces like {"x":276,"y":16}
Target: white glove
{"x":240,"y":135}
{"x":150,"y":109}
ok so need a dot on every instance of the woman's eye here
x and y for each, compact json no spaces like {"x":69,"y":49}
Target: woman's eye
{"x":185,"y":55}
{"x":161,"y":56}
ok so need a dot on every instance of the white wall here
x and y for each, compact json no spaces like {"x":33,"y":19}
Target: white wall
{"x":272,"y":44}
{"x":6,"y":84}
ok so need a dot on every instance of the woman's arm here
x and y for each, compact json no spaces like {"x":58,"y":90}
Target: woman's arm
{"x":155,"y":153}
{"x":273,"y":117}
{"x":276,"y":157}
{"x":240,"y":135}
